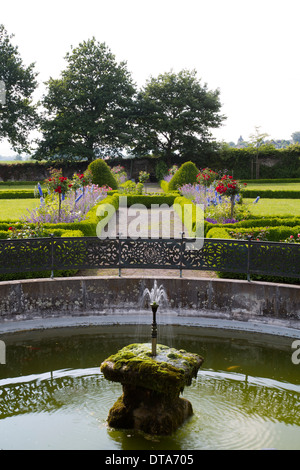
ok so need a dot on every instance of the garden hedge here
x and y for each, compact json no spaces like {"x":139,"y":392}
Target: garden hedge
{"x":271,"y":193}
{"x":102,"y":174}
{"x":274,"y":234}
{"x":17,"y":194}
{"x":261,"y":222}
{"x":186,"y":174}
{"x":41,"y":274}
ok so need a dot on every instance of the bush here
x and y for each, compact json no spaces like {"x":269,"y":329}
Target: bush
{"x":217,"y":232}
{"x":271,"y":193}
{"x":188,"y":217}
{"x":17,"y":194}
{"x":147,"y":200}
{"x":272,"y":234}
{"x":43,"y":274}
{"x":164,"y":186}
{"x":102,"y":174}
{"x":187,"y":173}
{"x":161,"y":170}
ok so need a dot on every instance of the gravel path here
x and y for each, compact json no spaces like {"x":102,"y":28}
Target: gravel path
{"x":163,"y":222}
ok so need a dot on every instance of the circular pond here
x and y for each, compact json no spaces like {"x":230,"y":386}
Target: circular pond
{"x":53,"y":396}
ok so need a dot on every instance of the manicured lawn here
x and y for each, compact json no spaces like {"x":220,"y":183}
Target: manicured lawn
{"x":18,"y":187}
{"x":13,"y":209}
{"x":274,"y":207}
{"x":275,"y":186}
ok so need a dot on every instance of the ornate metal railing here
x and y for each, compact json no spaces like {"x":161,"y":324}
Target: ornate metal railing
{"x":236,"y":256}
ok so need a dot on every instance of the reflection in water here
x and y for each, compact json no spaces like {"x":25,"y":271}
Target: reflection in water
{"x":246,"y":396}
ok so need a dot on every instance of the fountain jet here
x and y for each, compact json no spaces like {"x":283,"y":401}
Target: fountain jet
{"x":156,"y":296}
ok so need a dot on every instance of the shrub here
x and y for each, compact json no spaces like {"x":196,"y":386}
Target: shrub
{"x":273,"y":234}
{"x":102,"y":174}
{"x":17,"y":194}
{"x":161,"y":169}
{"x":187,"y":173}
{"x":271,"y":193}
{"x":44,"y":274}
{"x":164,"y":186}
{"x":188,"y":217}
{"x":217,"y":232}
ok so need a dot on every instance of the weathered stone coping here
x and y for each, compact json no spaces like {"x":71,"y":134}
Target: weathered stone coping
{"x":218,"y":303}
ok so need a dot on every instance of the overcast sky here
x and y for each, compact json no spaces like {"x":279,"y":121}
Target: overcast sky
{"x":249,"y":49}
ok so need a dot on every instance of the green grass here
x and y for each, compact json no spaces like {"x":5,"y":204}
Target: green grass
{"x":18,"y":187}
{"x":13,"y":209}
{"x":274,"y":207}
{"x":275,"y":186}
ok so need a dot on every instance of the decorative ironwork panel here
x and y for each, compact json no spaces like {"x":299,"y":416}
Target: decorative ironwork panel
{"x":150,"y":253}
{"x":28,"y":254}
{"x":85,"y":253}
{"x":218,"y":255}
{"x":278,"y":259}
{"x":240,"y":256}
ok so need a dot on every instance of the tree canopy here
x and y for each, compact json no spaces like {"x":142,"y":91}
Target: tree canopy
{"x":175,"y":113}
{"x":87,"y":111}
{"x":18,"y":116}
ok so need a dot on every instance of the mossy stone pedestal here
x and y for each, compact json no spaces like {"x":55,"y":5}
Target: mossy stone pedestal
{"x":151,"y":387}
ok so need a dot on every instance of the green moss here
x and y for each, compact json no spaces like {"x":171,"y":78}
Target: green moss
{"x":168,"y":372}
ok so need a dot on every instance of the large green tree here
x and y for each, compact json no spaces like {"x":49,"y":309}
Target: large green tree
{"x":18,"y":116}
{"x":87,"y":111}
{"x":175,"y":114}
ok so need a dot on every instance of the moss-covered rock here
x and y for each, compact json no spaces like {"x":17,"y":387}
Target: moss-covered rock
{"x":151,"y":387}
{"x":167,"y":372}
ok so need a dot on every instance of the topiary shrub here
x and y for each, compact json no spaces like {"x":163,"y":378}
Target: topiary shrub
{"x":102,"y":174}
{"x":187,"y":173}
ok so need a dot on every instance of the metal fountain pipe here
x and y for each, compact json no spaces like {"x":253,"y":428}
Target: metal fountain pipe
{"x":154,"y":307}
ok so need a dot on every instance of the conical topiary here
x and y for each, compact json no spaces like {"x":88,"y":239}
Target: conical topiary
{"x":187,"y":173}
{"x":102,"y":174}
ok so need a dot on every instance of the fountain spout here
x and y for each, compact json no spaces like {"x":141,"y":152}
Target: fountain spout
{"x":156,"y":296}
{"x":154,"y":307}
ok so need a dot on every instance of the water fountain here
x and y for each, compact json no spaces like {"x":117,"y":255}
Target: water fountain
{"x":152,"y":380}
{"x":156,"y":296}
{"x":56,"y":334}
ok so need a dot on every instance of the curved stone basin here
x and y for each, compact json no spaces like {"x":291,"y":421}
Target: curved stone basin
{"x":231,"y":304}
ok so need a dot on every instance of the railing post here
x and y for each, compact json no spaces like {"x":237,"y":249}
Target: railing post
{"x":181,"y":254}
{"x":52,"y":255}
{"x":248,"y":260}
